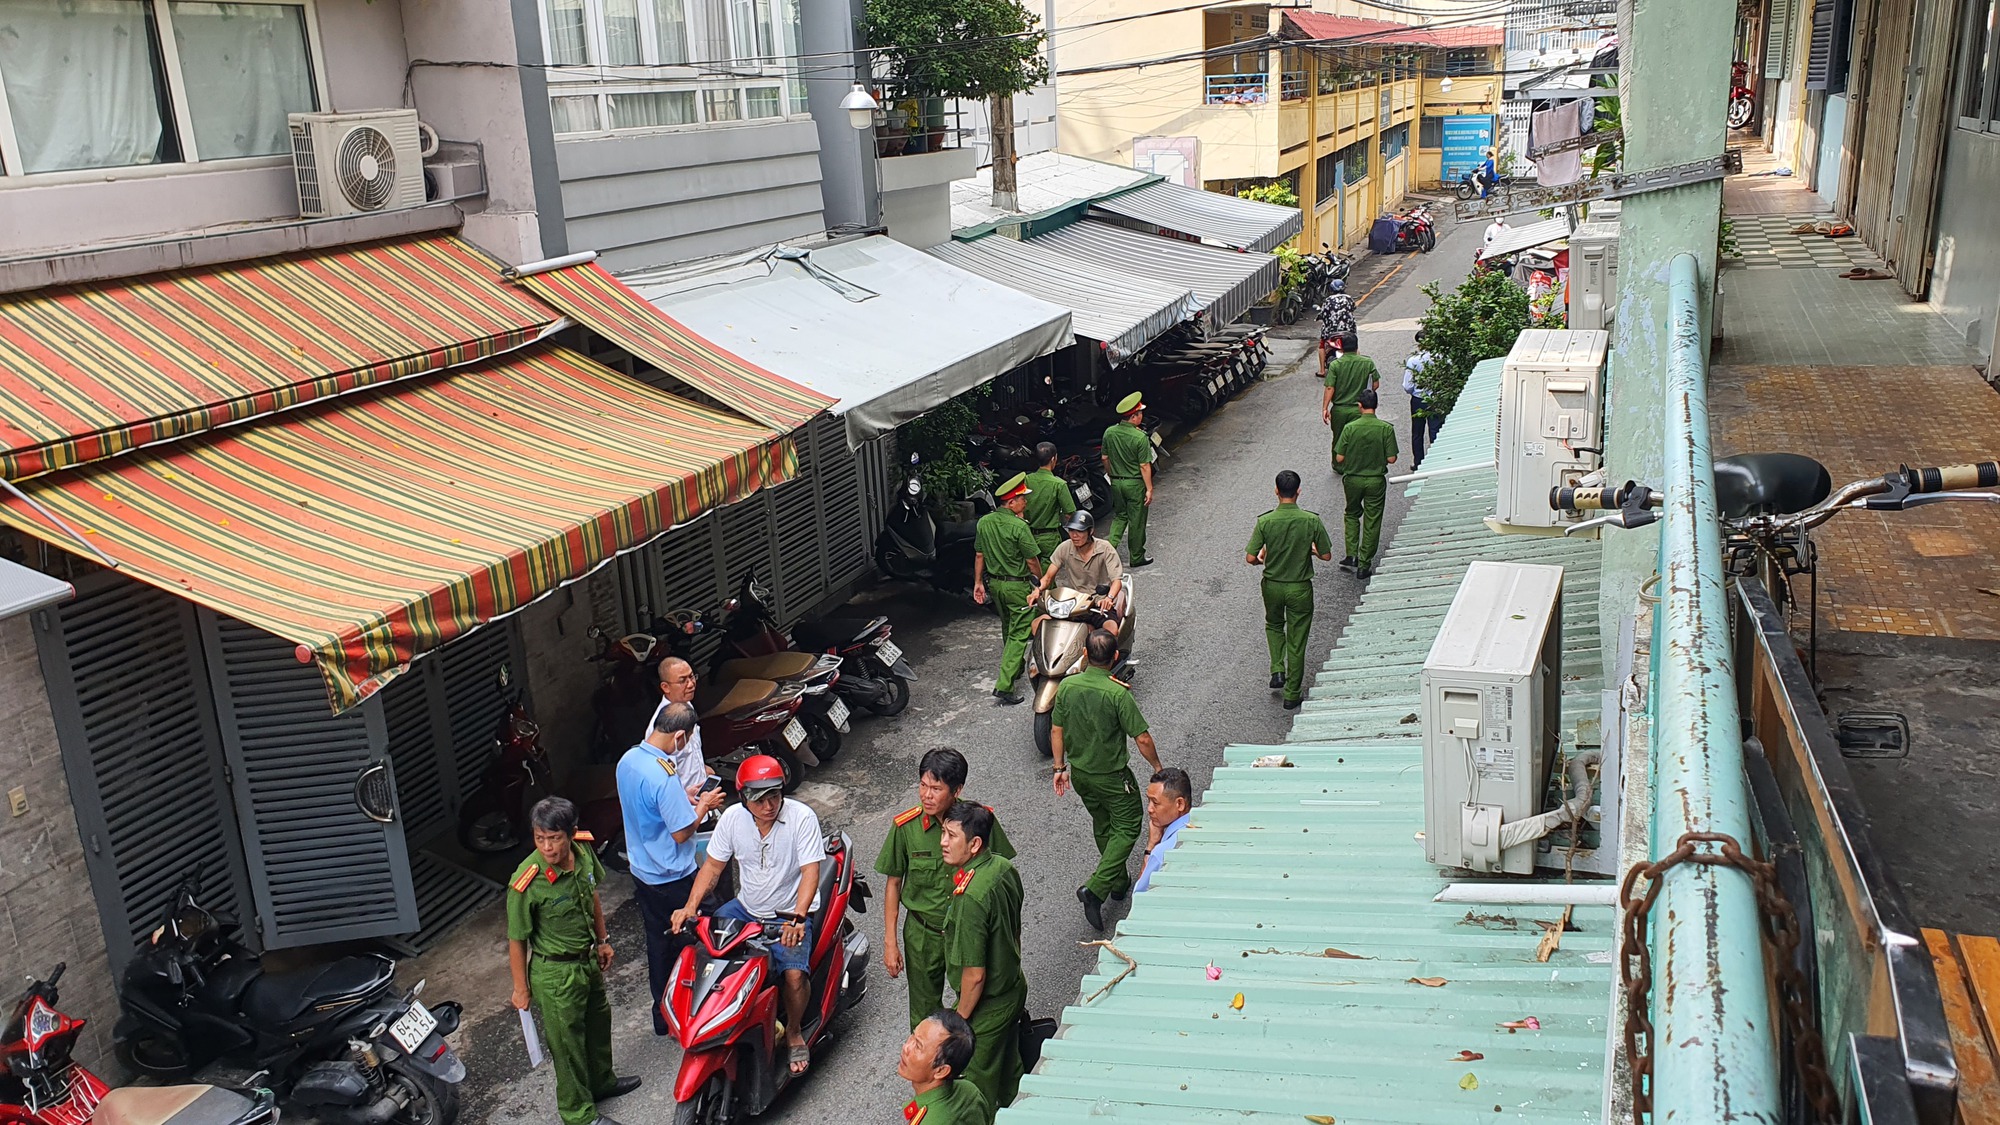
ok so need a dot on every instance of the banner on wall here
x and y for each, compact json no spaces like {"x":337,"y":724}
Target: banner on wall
{"x":1176,"y":158}
{"x":1466,"y":137}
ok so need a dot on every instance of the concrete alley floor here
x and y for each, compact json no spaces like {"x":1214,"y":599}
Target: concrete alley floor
{"x":1201,"y":685}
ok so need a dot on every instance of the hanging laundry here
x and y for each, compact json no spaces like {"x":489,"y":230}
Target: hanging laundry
{"x":1564,"y":122}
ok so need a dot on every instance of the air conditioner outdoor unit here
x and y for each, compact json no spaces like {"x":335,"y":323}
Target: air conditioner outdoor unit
{"x":1551,"y":423}
{"x":1593,"y":273}
{"x":1492,"y":704}
{"x":351,"y":163}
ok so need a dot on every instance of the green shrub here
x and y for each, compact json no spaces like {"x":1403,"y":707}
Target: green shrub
{"x":1477,"y":321}
{"x":938,"y":440}
{"x":1277,"y":192}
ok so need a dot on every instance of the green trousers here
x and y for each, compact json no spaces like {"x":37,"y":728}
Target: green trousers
{"x":923,"y":968}
{"x":1365,"y":498}
{"x":576,"y":1025}
{"x":996,"y":1046}
{"x":1288,"y":618}
{"x":1128,"y":511}
{"x":1117,"y":816}
{"x":1011,"y":599}
{"x":1341,"y":416}
{"x":1046,"y":543}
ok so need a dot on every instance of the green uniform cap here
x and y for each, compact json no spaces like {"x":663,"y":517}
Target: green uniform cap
{"x":1017,"y":482}
{"x":1130,"y":403}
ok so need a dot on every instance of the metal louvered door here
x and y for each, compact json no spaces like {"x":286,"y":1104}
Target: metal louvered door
{"x":477,"y":673}
{"x":690,"y":576}
{"x":141,"y":753}
{"x":837,"y":477}
{"x":426,"y":798}
{"x":314,"y":794}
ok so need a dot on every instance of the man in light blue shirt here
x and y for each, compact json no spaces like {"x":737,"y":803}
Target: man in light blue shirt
{"x":1168,"y":798}
{"x":659,"y":837}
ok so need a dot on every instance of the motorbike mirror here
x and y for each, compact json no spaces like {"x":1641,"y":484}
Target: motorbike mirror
{"x":914,"y":459}
{"x":594,"y":632}
{"x":505,"y":676}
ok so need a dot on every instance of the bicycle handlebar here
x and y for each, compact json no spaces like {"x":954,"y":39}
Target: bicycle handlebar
{"x":1950,"y":478}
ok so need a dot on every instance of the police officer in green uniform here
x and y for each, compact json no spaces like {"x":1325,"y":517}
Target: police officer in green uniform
{"x":558,"y":951}
{"x":1284,"y":543}
{"x":1004,"y":556}
{"x":1093,"y":716}
{"x":1049,"y":502}
{"x":1128,"y":461}
{"x":1346,"y":378}
{"x":983,"y":950}
{"x":920,"y":882}
{"x":934,"y":1056}
{"x":1362,"y":456}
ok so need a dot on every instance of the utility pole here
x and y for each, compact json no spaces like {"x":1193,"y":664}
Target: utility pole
{"x":1000,"y":119}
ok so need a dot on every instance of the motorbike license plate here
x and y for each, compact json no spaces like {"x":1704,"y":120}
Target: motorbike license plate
{"x":889,"y":653}
{"x":795,"y":734}
{"x":413,"y":1027}
{"x":838,"y":712}
{"x":1083,"y":495}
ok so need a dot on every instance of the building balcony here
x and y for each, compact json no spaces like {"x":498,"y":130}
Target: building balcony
{"x":1292,"y":85}
{"x":1237,"y":89}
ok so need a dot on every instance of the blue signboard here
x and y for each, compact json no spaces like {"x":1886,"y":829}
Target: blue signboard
{"x":1467,"y":136}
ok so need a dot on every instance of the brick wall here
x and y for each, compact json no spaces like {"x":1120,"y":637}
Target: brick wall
{"x":47,"y":912}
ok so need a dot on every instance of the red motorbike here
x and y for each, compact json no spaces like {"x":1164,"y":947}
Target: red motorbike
{"x":723,"y":1003}
{"x":495,"y":818}
{"x":1742,"y":103}
{"x":1416,"y":230}
{"x":41,"y":1084}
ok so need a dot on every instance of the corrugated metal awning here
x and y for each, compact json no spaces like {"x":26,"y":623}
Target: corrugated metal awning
{"x":886,"y":331}
{"x":374,"y":527}
{"x":1516,"y":239}
{"x":1117,"y":307}
{"x":1045,"y":184}
{"x":1224,"y":220}
{"x":1226,"y":282}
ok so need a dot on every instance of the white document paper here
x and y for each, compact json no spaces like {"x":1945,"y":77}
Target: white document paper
{"x":528,"y":1036}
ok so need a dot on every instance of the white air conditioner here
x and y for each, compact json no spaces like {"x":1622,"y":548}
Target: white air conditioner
{"x":1551,"y":423}
{"x":1492,"y":703}
{"x":351,"y":163}
{"x":1593,"y":274}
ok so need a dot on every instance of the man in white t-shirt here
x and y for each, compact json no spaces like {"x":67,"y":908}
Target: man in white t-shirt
{"x":1494,"y":230}
{"x":777,"y":845}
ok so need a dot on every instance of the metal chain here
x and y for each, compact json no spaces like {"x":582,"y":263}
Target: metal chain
{"x":1781,"y":930}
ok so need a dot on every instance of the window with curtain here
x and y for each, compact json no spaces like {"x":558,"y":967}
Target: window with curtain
{"x":651,"y":109}
{"x":763,"y":101}
{"x":247,"y":67}
{"x":758,"y":39}
{"x":670,"y":24}
{"x":569,"y":43}
{"x":86,"y":85}
{"x":575,"y":114}
{"x":721,"y":105}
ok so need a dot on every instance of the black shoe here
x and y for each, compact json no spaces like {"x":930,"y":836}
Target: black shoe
{"x":1093,"y":908}
{"x":1277,"y":680}
{"x":1147,"y":561}
{"x":1292,"y":704}
{"x":1120,"y":896}
{"x":605,"y":1119}
{"x":1006,"y":698}
{"x":1347,"y":563}
{"x":623,"y":1085}
{"x":1363,"y":572}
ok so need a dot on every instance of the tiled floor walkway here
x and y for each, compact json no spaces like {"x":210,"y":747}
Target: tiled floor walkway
{"x":1767,"y":242}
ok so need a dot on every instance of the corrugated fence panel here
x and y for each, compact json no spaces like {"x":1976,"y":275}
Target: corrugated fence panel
{"x":413,"y":748}
{"x":470,"y":671}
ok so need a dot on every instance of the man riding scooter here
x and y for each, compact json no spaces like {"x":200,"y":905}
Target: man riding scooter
{"x":1084,"y":562}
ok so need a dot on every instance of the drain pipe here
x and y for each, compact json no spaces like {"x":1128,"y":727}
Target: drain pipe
{"x":1714,"y":1048}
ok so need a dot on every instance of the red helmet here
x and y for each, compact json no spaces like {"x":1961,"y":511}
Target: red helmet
{"x":759,"y":771}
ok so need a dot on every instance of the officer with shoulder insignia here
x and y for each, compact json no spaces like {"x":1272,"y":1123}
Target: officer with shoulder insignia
{"x":1285,"y":541}
{"x":1128,"y":461}
{"x":936,"y":1053}
{"x":1003,"y":558}
{"x":1049,"y":502}
{"x":983,"y":950}
{"x":1340,"y":404}
{"x":1093,"y":717}
{"x":557,"y":950}
{"x":920,"y":882}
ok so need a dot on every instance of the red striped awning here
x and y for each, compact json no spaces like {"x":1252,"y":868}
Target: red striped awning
{"x":375,"y":527}
{"x":594,"y":298}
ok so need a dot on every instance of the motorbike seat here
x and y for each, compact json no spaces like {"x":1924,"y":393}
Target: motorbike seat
{"x":223,"y":988}
{"x":741,"y":694}
{"x":833,"y":632}
{"x":279,"y":998}
{"x":776,"y":666}
{"x":1756,"y":484}
{"x":170,"y":1105}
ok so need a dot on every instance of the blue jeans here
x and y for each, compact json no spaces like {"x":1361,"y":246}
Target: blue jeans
{"x":783,"y":957}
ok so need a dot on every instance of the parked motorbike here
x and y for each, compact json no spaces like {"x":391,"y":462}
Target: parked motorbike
{"x":1056,"y":651}
{"x":1416,"y":230}
{"x":1742,"y":102}
{"x":873,"y":674}
{"x":914,"y":546}
{"x":338,"y":1040}
{"x":822,"y":712}
{"x":41,"y":1083}
{"x":495,"y":818}
{"x":723,"y":1002}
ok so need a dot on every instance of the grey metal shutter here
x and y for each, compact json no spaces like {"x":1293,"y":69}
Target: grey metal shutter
{"x":746,"y":540}
{"x":1819,"y":49}
{"x":141,"y":753}
{"x":428,"y":803}
{"x":470,"y":669}
{"x":1778,"y":40}
{"x":837,"y":474}
{"x":440,"y":718}
{"x":690,"y":560}
{"x":320,"y":869}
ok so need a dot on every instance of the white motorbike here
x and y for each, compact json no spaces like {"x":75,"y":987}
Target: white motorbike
{"x":1056,"y":650}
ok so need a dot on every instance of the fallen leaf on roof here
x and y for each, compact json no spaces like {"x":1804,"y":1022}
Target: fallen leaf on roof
{"x":1528,"y":1023}
{"x":1469,"y":1082}
{"x":1213,"y":972}
{"x":1429,"y":982}
{"x":1469,"y":1056}
{"x":1407,"y":719}
{"x":1320,"y":1118}
{"x":1342,"y":954}
{"x":1236,"y":1001}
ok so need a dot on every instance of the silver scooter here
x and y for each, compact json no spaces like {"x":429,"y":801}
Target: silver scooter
{"x":1056,"y":650}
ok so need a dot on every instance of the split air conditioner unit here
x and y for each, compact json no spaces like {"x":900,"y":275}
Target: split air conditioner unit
{"x":1491,"y":712}
{"x":1593,"y":272}
{"x":354,"y":163}
{"x":1551,"y":425}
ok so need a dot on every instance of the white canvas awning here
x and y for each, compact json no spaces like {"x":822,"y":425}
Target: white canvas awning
{"x":889,"y":331}
{"x":1516,"y":239}
{"x":1223,"y":220}
{"x":1226,"y":282}
{"x":1122,"y":309}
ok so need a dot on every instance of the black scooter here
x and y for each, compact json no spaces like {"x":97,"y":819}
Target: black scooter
{"x":338,"y":1040}
{"x":914,"y":546}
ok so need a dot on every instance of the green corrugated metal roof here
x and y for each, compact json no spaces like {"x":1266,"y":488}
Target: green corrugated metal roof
{"x":1281,"y":875}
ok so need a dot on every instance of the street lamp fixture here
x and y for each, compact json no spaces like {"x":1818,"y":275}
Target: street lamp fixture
{"x":1444,"y":87}
{"x":860,"y":108}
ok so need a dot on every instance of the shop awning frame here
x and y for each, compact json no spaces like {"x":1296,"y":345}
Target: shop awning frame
{"x":1516,"y":239}
{"x":1220,"y":220}
{"x":1226,"y":282}
{"x":1122,"y":310}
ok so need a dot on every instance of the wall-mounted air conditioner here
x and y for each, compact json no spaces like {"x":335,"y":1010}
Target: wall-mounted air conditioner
{"x":1551,"y":424}
{"x":352,"y":163}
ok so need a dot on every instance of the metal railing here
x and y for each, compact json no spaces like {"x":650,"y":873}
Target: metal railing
{"x":1238,"y":89}
{"x":1292,"y":85}
{"x":1713,"y":1047}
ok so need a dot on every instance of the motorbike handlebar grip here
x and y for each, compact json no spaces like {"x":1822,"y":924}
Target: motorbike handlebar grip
{"x":1950,"y":478}
{"x":1583,"y":499}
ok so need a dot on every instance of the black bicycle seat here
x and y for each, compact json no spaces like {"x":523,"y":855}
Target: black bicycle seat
{"x":1769,"y":484}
